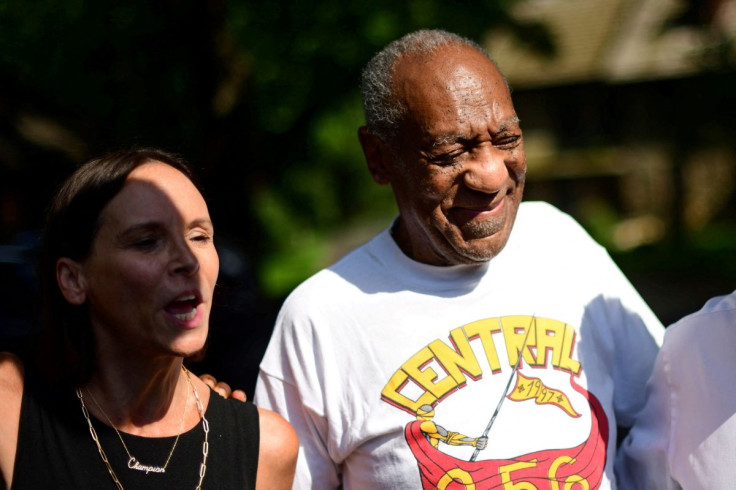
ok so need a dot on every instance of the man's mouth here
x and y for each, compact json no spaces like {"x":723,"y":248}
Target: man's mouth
{"x":465,"y":214}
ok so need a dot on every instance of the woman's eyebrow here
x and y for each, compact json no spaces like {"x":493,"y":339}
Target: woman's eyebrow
{"x":202,"y":222}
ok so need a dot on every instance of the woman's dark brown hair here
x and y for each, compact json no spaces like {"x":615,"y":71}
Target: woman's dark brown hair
{"x":66,"y":349}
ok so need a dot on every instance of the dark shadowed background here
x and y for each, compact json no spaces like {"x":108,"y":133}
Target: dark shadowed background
{"x":628,"y":109}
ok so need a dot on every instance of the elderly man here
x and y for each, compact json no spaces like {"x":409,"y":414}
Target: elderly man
{"x":495,"y":319}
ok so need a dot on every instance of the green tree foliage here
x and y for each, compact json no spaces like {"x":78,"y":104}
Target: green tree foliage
{"x":262,"y":95}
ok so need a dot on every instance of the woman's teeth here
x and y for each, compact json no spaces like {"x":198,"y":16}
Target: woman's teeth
{"x":184,"y":309}
{"x":186,"y":316}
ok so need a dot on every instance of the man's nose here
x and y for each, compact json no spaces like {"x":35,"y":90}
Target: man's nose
{"x":486,"y":171}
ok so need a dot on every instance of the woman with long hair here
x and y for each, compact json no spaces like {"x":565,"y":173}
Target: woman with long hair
{"x":128,"y":274}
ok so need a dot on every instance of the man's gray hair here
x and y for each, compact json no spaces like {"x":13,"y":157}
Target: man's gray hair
{"x":383,"y":110}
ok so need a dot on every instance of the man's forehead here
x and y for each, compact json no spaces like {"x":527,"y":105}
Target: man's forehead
{"x":451,"y":94}
{"x":464,"y":80}
{"x":448,"y":76}
{"x":427,"y":66}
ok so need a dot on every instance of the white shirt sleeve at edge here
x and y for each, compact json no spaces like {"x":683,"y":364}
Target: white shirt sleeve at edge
{"x":281,"y":397}
{"x":643,"y":460}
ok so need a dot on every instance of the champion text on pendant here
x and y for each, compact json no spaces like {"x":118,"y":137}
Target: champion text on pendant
{"x":133,"y":464}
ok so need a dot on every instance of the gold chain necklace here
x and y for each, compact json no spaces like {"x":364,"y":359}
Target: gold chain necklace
{"x":132,"y":462}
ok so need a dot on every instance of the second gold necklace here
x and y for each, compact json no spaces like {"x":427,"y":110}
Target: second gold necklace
{"x":133,"y":462}
{"x":205,"y":427}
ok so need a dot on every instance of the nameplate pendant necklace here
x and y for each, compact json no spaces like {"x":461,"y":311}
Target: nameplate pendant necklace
{"x":133,"y":463}
{"x":132,"y":460}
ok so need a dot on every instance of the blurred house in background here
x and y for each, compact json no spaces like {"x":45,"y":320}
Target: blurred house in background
{"x":628,"y":109}
{"x":630,"y":126}
{"x":635,"y":103}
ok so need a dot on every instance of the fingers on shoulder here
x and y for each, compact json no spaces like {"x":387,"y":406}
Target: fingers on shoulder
{"x":239,"y":395}
{"x":222,"y":388}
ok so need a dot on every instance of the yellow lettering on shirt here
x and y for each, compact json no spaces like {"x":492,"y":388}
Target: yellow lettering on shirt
{"x":419,"y":369}
{"x":392,"y":393}
{"x":459,"y":360}
{"x":440,"y":368}
{"x":483,"y":330}
{"x":519,"y":335}
{"x":567,"y":362}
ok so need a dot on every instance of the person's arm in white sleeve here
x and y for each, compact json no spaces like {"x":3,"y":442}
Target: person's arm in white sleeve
{"x":638,"y":336}
{"x":643,"y":459}
{"x":314,"y":468}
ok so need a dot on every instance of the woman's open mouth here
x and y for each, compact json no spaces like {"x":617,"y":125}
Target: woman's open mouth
{"x":185,"y":309}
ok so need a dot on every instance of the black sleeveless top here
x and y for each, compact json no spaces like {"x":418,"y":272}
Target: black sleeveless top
{"x":56,"y":450}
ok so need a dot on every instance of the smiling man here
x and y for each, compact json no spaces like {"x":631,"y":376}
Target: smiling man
{"x":505,"y":321}
{"x":457,"y":169}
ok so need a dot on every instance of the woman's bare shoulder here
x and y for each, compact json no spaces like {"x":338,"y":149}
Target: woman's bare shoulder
{"x":11,"y":389}
{"x":11,"y":375}
{"x":11,"y":396}
{"x":278,"y":449}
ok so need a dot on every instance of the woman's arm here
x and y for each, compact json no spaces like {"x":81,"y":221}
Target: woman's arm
{"x":277,"y":452}
{"x":11,"y":395}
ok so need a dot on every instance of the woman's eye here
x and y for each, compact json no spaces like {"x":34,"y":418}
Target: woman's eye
{"x":201,"y":238}
{"x":147,"y":243}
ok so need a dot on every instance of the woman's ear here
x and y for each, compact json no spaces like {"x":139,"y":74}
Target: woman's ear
{"x":71,"y":281}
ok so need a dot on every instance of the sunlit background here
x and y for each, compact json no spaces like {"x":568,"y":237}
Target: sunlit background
{"x":628,"y":108}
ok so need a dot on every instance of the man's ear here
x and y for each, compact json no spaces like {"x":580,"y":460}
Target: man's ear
{"x":376,"y":156}
{"x":71,"y":281}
